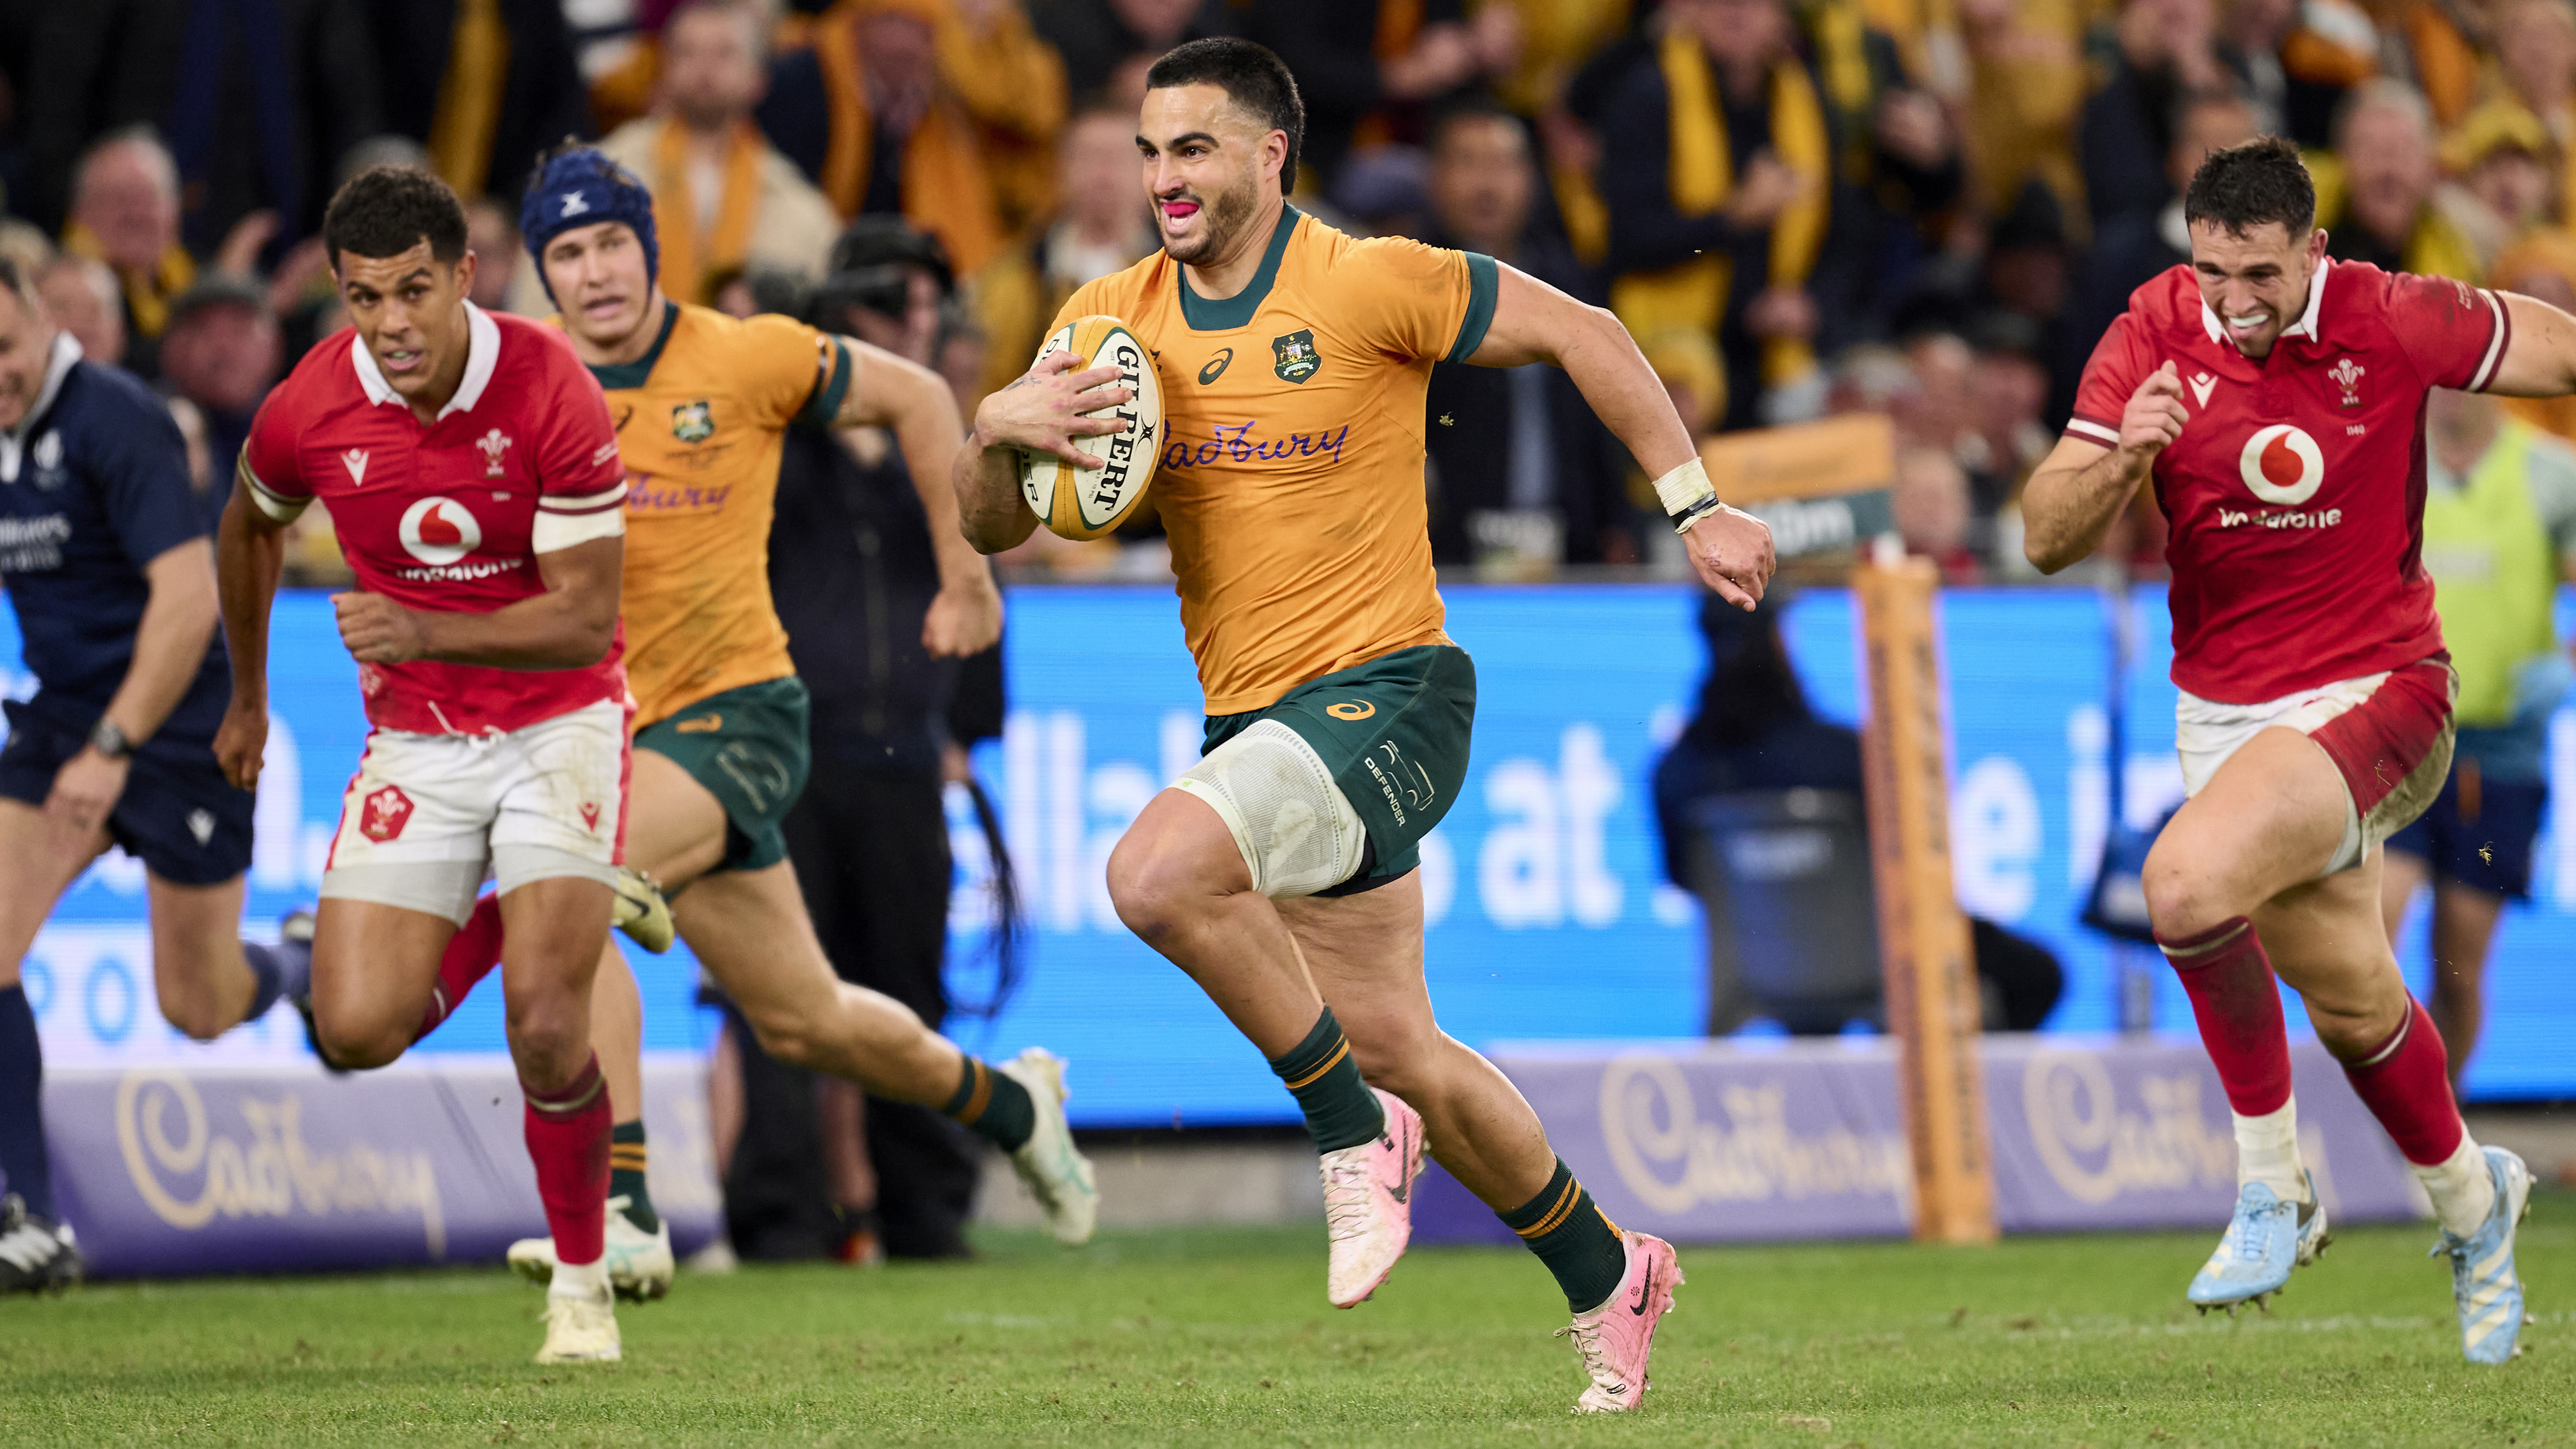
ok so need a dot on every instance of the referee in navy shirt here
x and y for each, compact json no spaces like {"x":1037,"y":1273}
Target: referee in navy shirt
{"x":105,"y":553}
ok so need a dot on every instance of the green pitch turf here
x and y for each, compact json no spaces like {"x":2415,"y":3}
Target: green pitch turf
{"x":1223,"y":1337}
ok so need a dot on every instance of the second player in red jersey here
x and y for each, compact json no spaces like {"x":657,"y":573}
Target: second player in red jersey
{"x":469,"y":464}
{"x":2295,"y":494}
{"x":451,"y":515}
{"x":2275,"y":400}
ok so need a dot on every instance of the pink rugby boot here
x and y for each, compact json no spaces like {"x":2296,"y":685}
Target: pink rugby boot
{"x":1616,"y":1338}
{"x":1368,"y":1197}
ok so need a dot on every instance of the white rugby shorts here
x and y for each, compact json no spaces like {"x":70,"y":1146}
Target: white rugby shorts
{"x":2389,"y":736}
{"x":427,"y":816}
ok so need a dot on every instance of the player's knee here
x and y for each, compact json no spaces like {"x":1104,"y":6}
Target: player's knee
{"x":2180,"y":901}
{"x":194,"y":1017}
{"x":551,"y":1027}
{"x":790,"y":1037}
{"x":1394,"y":1056}
{"x":1156,"y":884}
{"x":359,"y":1046}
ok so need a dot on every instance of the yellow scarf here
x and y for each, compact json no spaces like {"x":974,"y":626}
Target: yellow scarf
{"x":686,"y":263}
{"x":1701,"y":177}
{"x":1842,"y":61}
{"x":148,"y":295}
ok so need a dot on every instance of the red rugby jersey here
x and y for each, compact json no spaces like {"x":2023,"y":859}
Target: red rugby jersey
{"x":442,"y":517}
{"x":2295,"y":494}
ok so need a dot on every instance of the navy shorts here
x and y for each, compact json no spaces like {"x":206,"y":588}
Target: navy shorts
{"x":178,"y":815}
{"x":2487,"y":845}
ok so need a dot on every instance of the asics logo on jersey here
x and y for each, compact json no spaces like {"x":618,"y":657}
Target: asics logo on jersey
{"x":440,"y":531}
{"x":355,"y":460}
{"x":574,"y":205}
{"x":493,"y":446}
{"x":2281,"y":464}
{"x":1216,"y":366}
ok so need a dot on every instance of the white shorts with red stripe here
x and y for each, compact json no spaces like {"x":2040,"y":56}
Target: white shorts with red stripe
{"x":427,"y":817}
{"x":2389,"y":736}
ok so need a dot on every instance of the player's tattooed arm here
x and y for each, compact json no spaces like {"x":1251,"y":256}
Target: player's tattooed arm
{"x":568,"y":626}
{"x":2077,"y":491}
{"x":250,"y":550}
{"x":1534,"y":322}
{"x":2540,"y":350}
{"x":1042,"y":413}
{"x":889,"y":391}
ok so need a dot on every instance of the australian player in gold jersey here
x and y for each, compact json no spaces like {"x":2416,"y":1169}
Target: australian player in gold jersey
{"x":701,"y":401}
{"x":1279,"y":871}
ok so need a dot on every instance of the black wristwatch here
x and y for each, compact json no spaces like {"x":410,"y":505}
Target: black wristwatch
{"x":110,"y":741}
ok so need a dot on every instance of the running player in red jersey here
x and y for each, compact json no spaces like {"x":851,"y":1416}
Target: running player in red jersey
{"x":471,"y":471}
{"x":2276,"y":399}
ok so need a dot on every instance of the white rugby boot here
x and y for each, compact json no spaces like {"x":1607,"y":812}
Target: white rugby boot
{"x":37,"y":1254}
{"x":2267,"y":1237}
{"x":1368,"y":1203}
{"x":2484,"y":1286}
{"x":642,"y":911}
{"x":1615,"y":1339}
{"x":1058,"y":1176}
{"x":640,"y":1265}
{"x":580,"y":1328}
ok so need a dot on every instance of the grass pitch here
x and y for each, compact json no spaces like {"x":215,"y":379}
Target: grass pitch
{"x":1224,"y":1337}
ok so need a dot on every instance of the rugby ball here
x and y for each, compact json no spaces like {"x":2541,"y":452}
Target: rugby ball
{"x":1080,"y":503}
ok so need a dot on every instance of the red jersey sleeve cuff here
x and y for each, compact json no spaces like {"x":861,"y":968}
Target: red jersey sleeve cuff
{"x":2106,"y":434}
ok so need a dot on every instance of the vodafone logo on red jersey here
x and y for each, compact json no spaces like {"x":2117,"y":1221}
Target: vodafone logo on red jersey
{"x":2281,"y":464}
{"x":441,"y":530}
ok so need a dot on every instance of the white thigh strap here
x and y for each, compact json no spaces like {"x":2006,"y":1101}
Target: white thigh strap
{"x":1296,"y":829}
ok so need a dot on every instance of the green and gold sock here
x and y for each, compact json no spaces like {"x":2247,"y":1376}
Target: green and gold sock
{"x":1340,"y":1109}
{"x":993,"y":1107}
{"x":626,"y":1175}
{"x":1574,"y":1238}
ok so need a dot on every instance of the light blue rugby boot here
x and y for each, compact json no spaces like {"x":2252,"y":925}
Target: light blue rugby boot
{"x":2268,"y":1236}
{"x":2483,"y":1283}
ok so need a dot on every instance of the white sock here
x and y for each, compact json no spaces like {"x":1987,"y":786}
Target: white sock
{"x":581,"y":1280}
{"x":2267,"y":1151}
{"x":2462,"y":1190}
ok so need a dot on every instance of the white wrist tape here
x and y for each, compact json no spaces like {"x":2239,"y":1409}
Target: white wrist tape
{"x":1684,"y":486}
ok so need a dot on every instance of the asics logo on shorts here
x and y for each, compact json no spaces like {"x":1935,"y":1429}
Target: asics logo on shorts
{"x":1351,"y":709}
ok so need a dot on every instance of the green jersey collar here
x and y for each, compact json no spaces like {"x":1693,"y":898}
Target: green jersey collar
{"x":1227,"y":314}
{"x":632,"y":374}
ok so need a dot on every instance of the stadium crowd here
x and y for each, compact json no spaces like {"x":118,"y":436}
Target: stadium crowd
{"x":1925,"y":207}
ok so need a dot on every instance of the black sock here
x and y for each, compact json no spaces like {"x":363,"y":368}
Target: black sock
{"x":22,"y":1105}
{"x":1573,"y":1238}
{"x":1340,"y":1109}
{"x":275,"y":973}
{"x":626,"y":1175}
{"x":993,"y":1107}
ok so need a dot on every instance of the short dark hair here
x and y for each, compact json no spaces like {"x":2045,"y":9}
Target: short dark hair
{"x":1251,"y":76}
{"x":2242,"y":187}
{"x":385,"y":211}
{"x":14,"y":281}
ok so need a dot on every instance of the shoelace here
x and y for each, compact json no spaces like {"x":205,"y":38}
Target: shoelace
{"x":1587,"y":1342}
{"x":1346,"y":1197}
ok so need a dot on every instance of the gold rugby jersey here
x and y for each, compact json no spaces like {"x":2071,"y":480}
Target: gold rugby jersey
{"x":1290,"y":476}
{"x":700,"y":423}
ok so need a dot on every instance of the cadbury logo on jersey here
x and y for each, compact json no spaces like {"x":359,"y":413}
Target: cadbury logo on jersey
{"x":1234,"y":442}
